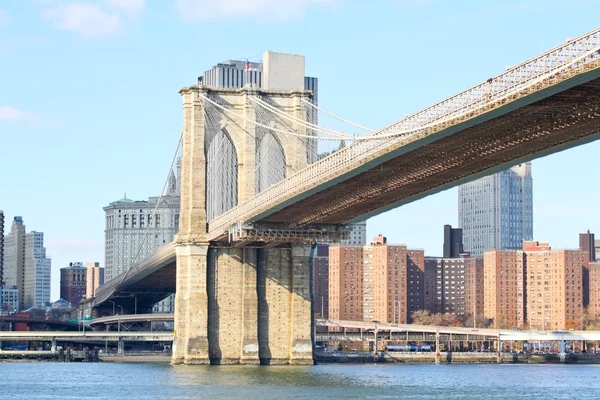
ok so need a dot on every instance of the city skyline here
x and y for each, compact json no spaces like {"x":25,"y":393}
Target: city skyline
{"x":134,"y":121}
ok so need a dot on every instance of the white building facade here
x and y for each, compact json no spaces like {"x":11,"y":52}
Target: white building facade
{"x":496,"y":212}
{"x":26,"y":266}
{"x":133,"y":232}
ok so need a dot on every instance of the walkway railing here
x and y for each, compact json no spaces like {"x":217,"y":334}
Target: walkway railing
{"x":554,"y":66}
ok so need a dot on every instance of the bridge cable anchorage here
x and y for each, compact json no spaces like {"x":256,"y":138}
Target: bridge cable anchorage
{"x":179,"y":143}
{"x":291,"y":118}
{"x":337,"y":117}
{"x":265,"y":126}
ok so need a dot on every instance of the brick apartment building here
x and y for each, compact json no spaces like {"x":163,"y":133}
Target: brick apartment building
{"x":380,"y":282}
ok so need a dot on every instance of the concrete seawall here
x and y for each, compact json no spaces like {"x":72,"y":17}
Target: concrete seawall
{"x":457,"y":358}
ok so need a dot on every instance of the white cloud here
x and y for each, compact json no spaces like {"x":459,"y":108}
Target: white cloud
{"x":13,"y":114}
{"x":129,"y":6}
{"x":86,"y":19}
{"x":272,"y":10}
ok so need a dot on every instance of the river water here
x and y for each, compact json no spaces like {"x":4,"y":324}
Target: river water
{"x":116,"y":381}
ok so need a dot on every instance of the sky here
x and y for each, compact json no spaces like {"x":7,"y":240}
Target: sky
{"x":90,"y":110}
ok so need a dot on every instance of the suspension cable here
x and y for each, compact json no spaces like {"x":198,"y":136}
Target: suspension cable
{"x":262,"y":125}
{"x":155,"y":210}
{"x":299,"y":121}
{"x":338,"y":118}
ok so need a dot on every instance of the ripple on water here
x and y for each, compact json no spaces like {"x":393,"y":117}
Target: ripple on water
{"x":148,"y":381}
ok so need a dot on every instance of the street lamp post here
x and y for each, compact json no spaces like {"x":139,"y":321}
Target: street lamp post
{"x":110,"y":301}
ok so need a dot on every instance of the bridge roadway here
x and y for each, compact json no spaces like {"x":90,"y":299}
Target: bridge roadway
{"x":541,"y":106}
{"x":503,"y":334}
{"x":544,"y":105}
{"x":87,"y":336}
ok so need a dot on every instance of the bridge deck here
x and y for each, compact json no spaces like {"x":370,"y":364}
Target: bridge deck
{"x":541,"y":106}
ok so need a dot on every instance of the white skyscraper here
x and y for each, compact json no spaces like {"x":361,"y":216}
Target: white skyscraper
{"x":496,"y":212}
{"x":132,"y":232}
{"x":26,"y":266}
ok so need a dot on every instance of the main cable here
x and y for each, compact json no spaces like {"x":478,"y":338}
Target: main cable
{"x":155,"y":209}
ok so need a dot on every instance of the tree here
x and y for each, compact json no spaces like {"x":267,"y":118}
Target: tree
{"x":589,"y":321}
{"x":421,"y":317}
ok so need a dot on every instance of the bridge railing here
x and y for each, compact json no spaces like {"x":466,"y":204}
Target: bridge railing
{"x":518,"y":79}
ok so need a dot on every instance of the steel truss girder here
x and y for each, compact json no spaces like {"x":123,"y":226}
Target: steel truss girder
{"x":274,"y":234}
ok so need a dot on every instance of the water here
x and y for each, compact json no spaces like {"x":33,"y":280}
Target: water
{"x":116,"y":381}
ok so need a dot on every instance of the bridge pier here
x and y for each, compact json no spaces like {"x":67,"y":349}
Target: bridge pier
{"x":284,"y":306}
{"x":562,"y":349}
{"x":232,"y":306}
{"x":191,"y":306}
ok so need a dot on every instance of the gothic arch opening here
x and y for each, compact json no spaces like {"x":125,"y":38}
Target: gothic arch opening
{"x":270,"y":162}
{"x":221,"y":174}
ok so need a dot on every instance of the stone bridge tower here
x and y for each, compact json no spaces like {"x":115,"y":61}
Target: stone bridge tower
{"x":247,"y":304}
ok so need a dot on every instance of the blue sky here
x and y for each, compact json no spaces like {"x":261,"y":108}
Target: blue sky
{"x":89,"y":107}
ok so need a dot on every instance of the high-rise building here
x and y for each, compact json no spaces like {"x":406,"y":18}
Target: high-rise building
{"x":496,"y":212}
{"x":504,"y":288}
{"x":36,"y":288}
{"x":453,"y":242}
{"x":94,"y":278}
{"x":535,"y":287}
{"x":133,"y":232}
{"x":237,"y":73}
{"x":321,"y":280}
{"x":450,"y":286}
{"x":554,"y":286}
{"x":9,"y":298}
{"x":73,"y":283}
{"x":454,"y":285}
{"x":1,"y":248}
{"x":597,"y":248}
{"x":587,"y":243}
{"x":357,"y":235}
{"x":474,"y":290}
{"x":594,"y":290}
{"x":26,"y":266}
{"x":380,"y":282}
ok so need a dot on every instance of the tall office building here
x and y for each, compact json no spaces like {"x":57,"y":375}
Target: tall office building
{"x":237,"y":73}
{"x":587,"y":243}
{"x":26,"y":266}
{"x":496,"y":212}
{"x":380,"y":282}
{"x":73,"y":283}
{"x":94,"y":278}
{"x":132,"y":232}
{"x":453,"y":242}
{"x":1,"y":248}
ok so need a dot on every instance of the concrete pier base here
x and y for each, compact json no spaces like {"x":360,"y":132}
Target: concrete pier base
{"x":284,"y":312}
{"x":191,"y":306}
{"x":233,"y":306}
